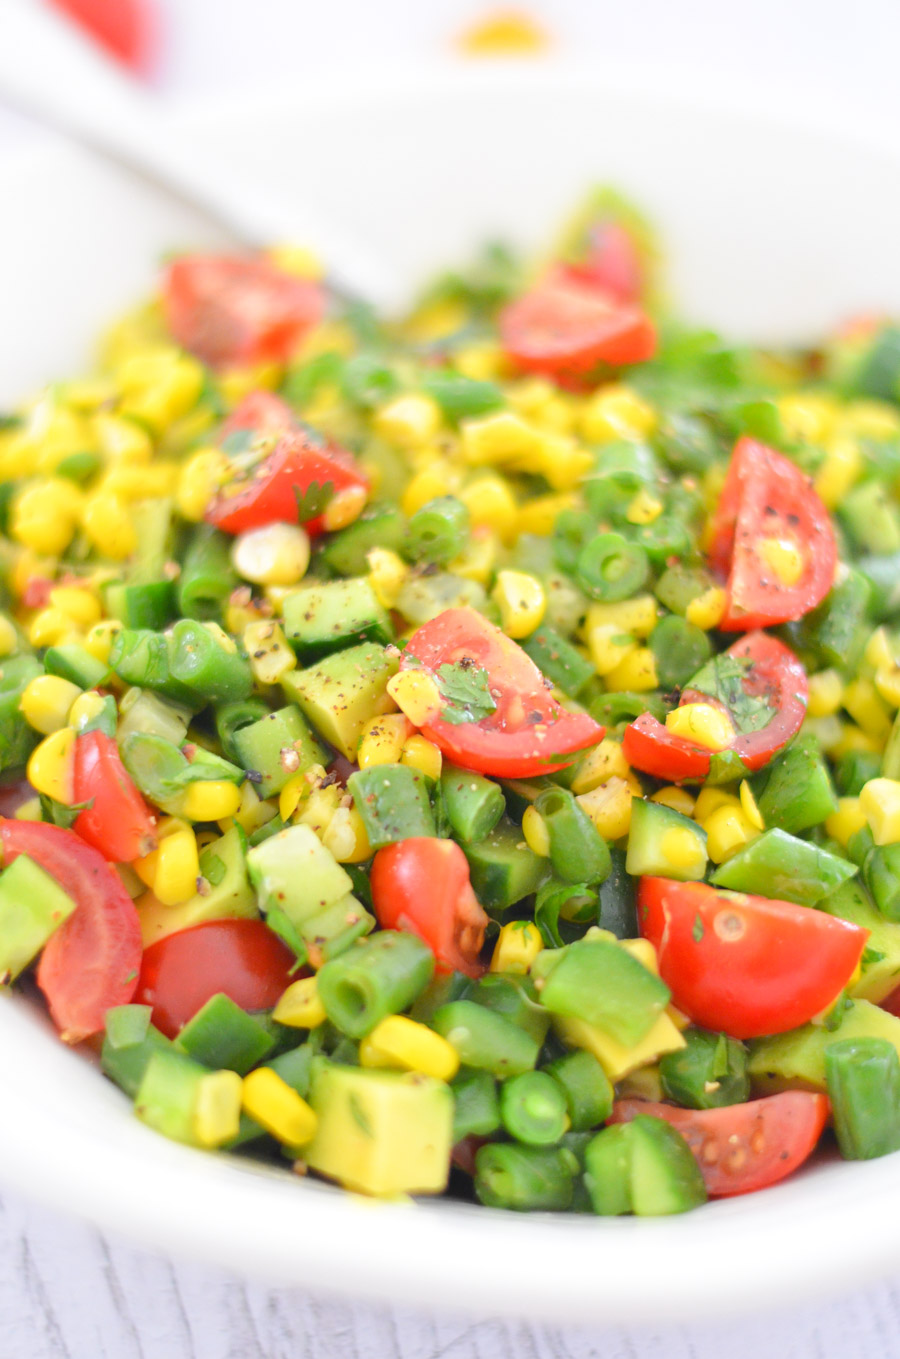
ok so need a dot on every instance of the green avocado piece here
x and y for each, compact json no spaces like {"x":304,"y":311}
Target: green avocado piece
{"x":342,"y":692}
{"x":796,"y":1060}
{"x":32,"y":908}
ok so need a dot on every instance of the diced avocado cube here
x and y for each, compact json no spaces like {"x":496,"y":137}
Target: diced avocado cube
{"x":334,"y":614}
{"x":881,"y":956}
{"x":380,"y":1132}
{"x":342,"y":692}
{"x":264,"y":745}
{"x":294,"y":872}
{"x":796,"y":1059}
{"x":599,"y":982}
{"x":32,"y":907}
{"x":167,"y":1096}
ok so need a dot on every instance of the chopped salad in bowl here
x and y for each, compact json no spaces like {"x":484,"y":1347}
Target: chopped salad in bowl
{"x":460,"y":754}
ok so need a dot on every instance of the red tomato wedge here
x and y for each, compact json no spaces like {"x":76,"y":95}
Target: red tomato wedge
{"x":768,"y":511}
{"x":422,"y":885}
{"x":566,"y":326}
{"x":773,"y":681}
{"x":746,"y":965}
{"x":242,"y":958}
{"x":260,"y":412}
{"x":611,"y":262}
{"x":528,"y":732}
{"x":118,"y":823}
{"x":743,"y":1147}
{"x":125,"y":28}
{"x":92,"y":961}
{"x":267,"y":492}
{"x":232,"y":309}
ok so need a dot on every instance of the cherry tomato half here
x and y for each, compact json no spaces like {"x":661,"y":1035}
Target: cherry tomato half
{"x":92,"y":961}
{"x":422,"y":886}
{"x":118,"y":822}
{"x":746,"y":965}
{"x":745,"y":1146}
{"x":528,"y":732}
{"x":610,"y":261}
{"x":260,"y":412}
{"x":125,"y":28}
{"x":181,"y":972}
{"x":230,"y":309}
{"x":769,"y":514}
{"x":566,"y":326}
{"x":774,"y":677}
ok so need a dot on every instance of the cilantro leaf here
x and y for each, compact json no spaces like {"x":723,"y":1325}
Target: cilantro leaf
{"x":312,"y":501}
{"x":463,"y":687}
{"x":723,"y":678}
{"x":58,"y":814}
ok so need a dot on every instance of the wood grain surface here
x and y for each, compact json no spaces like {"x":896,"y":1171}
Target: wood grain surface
{"x":66,"y":1292}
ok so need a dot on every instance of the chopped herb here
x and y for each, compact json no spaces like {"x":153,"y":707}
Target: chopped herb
{"x":312,"y":501}
{"x":723,"y":678}
{"x":871,"y":956}
{"x":464,"y":689}
{"x":358,"y":1114}
{"x":58,"y":814}
{"x":698,"y":931}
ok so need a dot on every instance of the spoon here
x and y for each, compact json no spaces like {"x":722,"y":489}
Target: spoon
{"x":54,"y":74}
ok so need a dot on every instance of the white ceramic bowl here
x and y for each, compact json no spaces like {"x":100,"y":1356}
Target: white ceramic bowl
{"x":776,"y":230}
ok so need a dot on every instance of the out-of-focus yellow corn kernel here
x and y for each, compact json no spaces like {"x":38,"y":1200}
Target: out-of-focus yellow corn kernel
{"x":9,"y":638}
{"x":216,"y":1115}
{"x":854,"y":738}
{"x":637,"y":616}
{"x":783,"y":558}
{"x":828,"y":731}
{"x":635,"y":673}
{"x":879,"y":652}
{"x":644,"y":508}
{"x":562,"y":462}
{"x":609,"y":807}
{"x":826,"y":689}
{"x":108,"y":526}
{"x":400,"y":1042}
{"x":297,"y":260}
{"x":887,"y":683}
{"x":703,"y":723}
{"x":438,"y":319}
{"x":535,"y":832}
{"x":846,"y":820}
{"x":300,"y":1007}
{"x":140,"y":483}
{"x":600,"y":763}
{"x":88,"y":394}
{"x":51,"y":766}
{"x":122,"y":441}
{"x":280,"y":1110}
{"x":46,"y":701}
{"x":500,"y":439}
{"x":727,"y":830}
{"x":383,"y":738}
{"x":705,"y":610}
{"x":237,"y":382}
{"x":750,"y":806}
{"x":158,"y":386}
{"x":807,"y":416}
{"x":48,"y":627}
{"x":387,"y":574}
{"x":679,"y":799}
{"x":172,"y":868}
{"x":344,"y":507}
{"x":541,"y":401}
{"x":408,"y":421}
{"x":483,"y":360}
{"x":869,"y":419}
{"x":879,"y":802}
{"x":44,"y":513}
{"x":521,"y":600}
{"x":517,"y":946}
{"x":275,"y":554}
{"x":865,"y":706}
{"x":200,"y":477}
{"x":86,"y":708}
{"x":80,"y":604}
{"x":538,"y":516}
{"x":839,"y":471}
{"x":710,"y":798}
{"x":491,"y":503}
{"x":100,"y":637}
{"x":478,"y":558}
{"x":683,"y":851}
{"x":438,"y":479}
{"x":608,"y":646}
{"x":421,"y":754}
{"x":417,"y":695}
{"x":615,"y":412}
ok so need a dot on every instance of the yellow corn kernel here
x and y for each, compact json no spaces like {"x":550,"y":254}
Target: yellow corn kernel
{"x":387,"y":573}
{"x":122,"y":441}
{"x":608,"y":646}
{"x":705,"y":610}
{"x":346,"y":837}
{"x":642,"y":950}
{"x":535,"y":833}
{"x":807,"y":416}
{"x":107,"y":524}
{"x":602,"y":762}
{"x":854,"y":738}
{"x":869,"y":420}
{"x":539,"y":400}
{"x":383,"y":738}
{"x":828,"y":731}
{"x":879,"y":802}
{"x":401,"y":1042}
{"x":438,"y":319}
{"x":344,"y":507}
{"x":297,"y":260}
{"x":80,"y":604}
{"x":46,"y":701}
{"x":437,"y":479}
{"x":751,"y":806}
{"x":702,"y":723}
{"x":9,"y":638}
{"x":88,"y":394}
{"x":783,"y":558}
{"x":879,"y":652}
{"x":268,"y":651}
{"x":141,"y":483}
{"x":217,"y":1110}
{"x":609,"y":807}
{"x":210,"y":800}
{"x":727,"y":830}
{"x":417,"y":695}
{"x":276,"y":554}
{"x":683,"y":851}
{"x":200,"y":477}
{"x":478,"y":558}
{"x":174,"y":867}
{"x":500,"y":440}
{"x":253,"y":812}
{"x":522,"y":602}
{"x":100,"y":638}
{"x":644,"y":508}
{"x":710,"y":798}
{"x":86,"y":708}
{"x":562,"y":462}
{"x":158,"y":386}
{"x":44,"y":514}
{"x":846,"y":821}
{"x":319,"y":808}
{"x":237,"y":382}
{"x":679,"y":799}
{"x":637,"y":616}
{"x":491,"y":504}
{"x":615,"y":412}
{"x":839,"y":471}
{"x":423,"y":755}
{"x":826,"y":689}
{"x":300,"y":1007}
{"x":297,"y":790}
{"x":64,"y":433}
{"x":887,"y":683}
{"x":635,"y":673}
{"x":51,"y":766}
{"x":538,"y":516}
{"x":280,"y":1110}
{"x":864,"y":705}
{"x":49,"y":627}
{"x":483,"y":360}
{"x":408,"y":421}
{"x":517,"y":946}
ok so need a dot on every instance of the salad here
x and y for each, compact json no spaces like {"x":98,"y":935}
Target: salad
{"x":462,"y":754}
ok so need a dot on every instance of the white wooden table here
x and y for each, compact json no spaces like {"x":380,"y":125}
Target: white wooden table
{"x":66,"y":1292}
